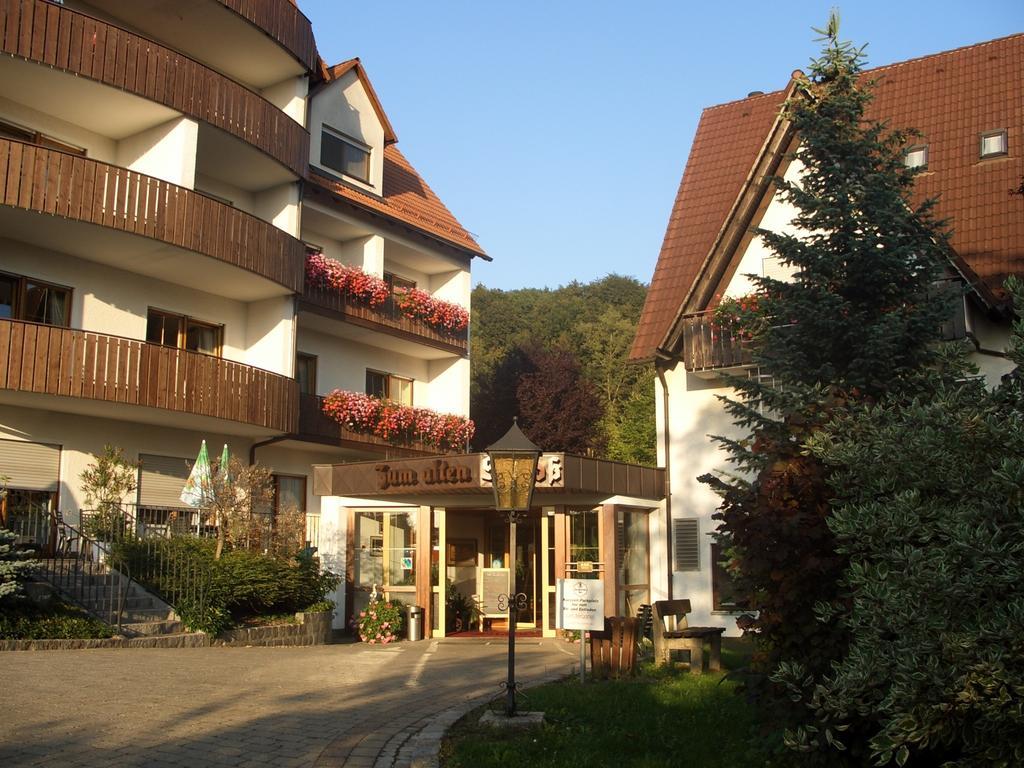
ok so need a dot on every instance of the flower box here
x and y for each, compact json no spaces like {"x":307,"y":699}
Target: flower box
{"x":398,"y":423}
{"x":352,"y":282}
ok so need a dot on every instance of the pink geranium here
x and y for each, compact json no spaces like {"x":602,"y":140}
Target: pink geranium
{"x":443,"y":315}
{"x":398,"y":423}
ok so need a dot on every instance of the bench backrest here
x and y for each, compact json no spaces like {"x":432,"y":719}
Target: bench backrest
{"x":673,"y":610}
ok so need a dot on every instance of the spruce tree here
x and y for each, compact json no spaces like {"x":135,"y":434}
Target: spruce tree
{"x":854,"y":322}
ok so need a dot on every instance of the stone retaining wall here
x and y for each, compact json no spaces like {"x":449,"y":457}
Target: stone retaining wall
{"x":191,"y":640}
{"x":311,"y":629}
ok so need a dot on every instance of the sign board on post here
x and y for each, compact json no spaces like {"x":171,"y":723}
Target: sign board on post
{"x":580,"y":604}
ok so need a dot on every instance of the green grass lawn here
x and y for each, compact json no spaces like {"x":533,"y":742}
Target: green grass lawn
{"x":659,"y":718}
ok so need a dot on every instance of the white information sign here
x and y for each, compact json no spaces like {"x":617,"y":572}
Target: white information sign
{"x":580,"y":604}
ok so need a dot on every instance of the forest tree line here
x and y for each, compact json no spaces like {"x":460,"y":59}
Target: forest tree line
{"x":557,"y":358}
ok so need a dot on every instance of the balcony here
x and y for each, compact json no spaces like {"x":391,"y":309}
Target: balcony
{"x":317,"y":427}
{"x":63,"y":362}
{"x":44,"y":33}
{"x":706,"y":347}
{"x":385,"y":318}
{"x":284,"y":22}
{"x":73,"y":188}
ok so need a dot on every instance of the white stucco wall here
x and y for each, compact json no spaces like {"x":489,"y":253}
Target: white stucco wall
{"x":167,"y":151}
{"x":449,"y":386}
{"x":280,"y":206}
{"x":342,"y":364}
{"x":290,"y":97}
{"x":270,"y":334}
{"x":344,"y":106}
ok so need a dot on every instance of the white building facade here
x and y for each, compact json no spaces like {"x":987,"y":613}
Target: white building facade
{"x":166,"y":173}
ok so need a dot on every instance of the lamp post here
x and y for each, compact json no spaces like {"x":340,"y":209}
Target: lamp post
{"x":513,"y":476}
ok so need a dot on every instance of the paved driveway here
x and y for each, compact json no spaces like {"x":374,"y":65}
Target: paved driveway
{"x":351,"y":705}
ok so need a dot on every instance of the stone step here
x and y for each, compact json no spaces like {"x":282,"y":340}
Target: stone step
{"x":153,"y":628}
{"x":143,"y":616}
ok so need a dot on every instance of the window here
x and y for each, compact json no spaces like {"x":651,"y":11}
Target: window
{"x":29,"y":136}
{"x":385,"y":556}
{"x":387,"y":386}
{"x":289,"y":493}
{"x":724,"y":596}
{"x":916,"y":157}
{"x":25,"y":298}
{"x":305,"y":373}
{"x":394,"y":281}
{"x":171,"y":330}
{"x":344,"y":155}
{"x":994,"y":144}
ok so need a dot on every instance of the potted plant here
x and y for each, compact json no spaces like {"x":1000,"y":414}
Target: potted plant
{"x":381,"y":622}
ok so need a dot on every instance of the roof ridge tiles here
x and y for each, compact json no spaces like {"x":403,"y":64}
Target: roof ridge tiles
{"x":872,"y":70}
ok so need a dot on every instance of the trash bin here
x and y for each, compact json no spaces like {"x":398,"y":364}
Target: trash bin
{"x":414,"y":622}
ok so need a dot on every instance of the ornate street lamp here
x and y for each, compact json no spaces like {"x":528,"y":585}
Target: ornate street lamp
{"x":513,"y":476}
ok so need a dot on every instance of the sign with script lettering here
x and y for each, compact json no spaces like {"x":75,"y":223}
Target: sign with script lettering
{"x":580,"y":604}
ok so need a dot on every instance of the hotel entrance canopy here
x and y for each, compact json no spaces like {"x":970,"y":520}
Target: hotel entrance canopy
{"x":464,"y":480}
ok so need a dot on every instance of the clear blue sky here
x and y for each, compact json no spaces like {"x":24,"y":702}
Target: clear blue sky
{"x":557,"y":132}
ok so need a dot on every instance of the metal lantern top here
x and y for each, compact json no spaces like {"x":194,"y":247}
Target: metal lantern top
{"x":513,"y":470}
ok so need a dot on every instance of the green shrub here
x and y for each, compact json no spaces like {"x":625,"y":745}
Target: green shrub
{"x":213,"y":595}
{"x":58,"y":621}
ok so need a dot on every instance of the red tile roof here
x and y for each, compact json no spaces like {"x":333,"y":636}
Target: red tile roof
{"x":407,"y":199}
{"x":951,"y":97}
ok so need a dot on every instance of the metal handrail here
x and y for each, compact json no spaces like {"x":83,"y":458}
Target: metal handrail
{"x":98,"y":574}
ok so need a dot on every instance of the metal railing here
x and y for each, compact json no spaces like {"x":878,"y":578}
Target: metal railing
{"x":122,"y":547}
{"x":81,"y":567}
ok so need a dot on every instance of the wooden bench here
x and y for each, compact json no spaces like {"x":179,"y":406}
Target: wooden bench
{"x":672,"y":632}
{"x":613,"y":651}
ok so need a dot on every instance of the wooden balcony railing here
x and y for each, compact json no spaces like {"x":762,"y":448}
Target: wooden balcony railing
{"x":386,"y":318}
{"x":73,"y":187}
{"x":284,"y":22}
{"x":94,"y":366}
{"x":49,"y":34}
{"x":707,"y":347}
{"x":316,"y":426}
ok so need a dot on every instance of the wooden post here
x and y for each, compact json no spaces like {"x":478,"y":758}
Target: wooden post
{"x":608,"y":557}
{"x":424,"y":588}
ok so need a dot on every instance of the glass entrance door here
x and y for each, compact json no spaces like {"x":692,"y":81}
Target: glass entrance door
{"x":633,"y":560}
{"x":526,"y":562}
{"x":527,"y":576}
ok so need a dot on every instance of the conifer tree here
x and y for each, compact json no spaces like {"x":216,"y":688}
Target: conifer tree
{"x":856,"y":320}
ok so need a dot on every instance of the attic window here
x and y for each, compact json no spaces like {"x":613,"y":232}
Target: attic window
{"x":993,"y":143}
{"x":344,"y":155}
{"x":917,"y":157}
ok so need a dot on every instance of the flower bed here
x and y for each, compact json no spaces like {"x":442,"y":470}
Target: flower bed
{"x":353,"y":282}
{"x":398,"y":423}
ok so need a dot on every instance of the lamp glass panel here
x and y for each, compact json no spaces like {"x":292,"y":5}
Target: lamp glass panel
{"x":513,"y":475}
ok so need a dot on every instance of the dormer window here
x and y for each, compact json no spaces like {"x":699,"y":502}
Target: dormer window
{"x":345,"y":155}
{"x":917,"y":157}
{"x":993,"y":143}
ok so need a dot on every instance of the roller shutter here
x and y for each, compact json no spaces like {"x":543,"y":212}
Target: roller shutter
{"x":161,"y":479}
{"x":30,"y":466}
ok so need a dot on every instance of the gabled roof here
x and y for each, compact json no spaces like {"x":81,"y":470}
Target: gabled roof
{"x":407,"y":199}
{"x":330,"y":74}
{"x":951,"y":97}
